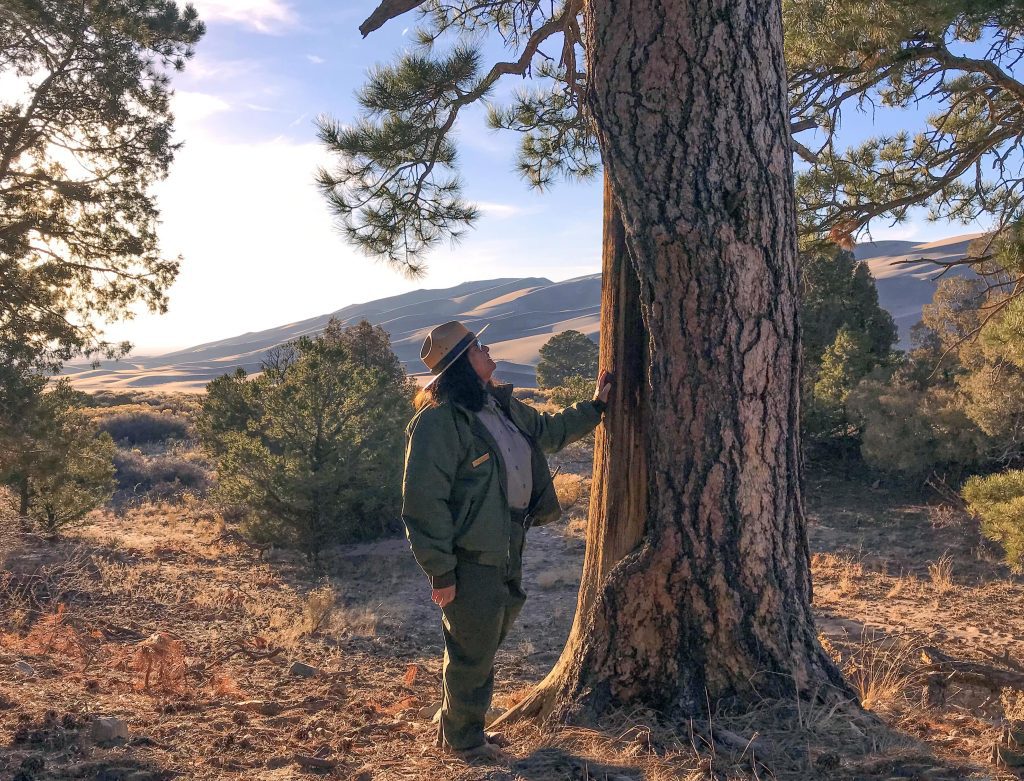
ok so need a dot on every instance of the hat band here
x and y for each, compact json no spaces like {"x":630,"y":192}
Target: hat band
{"x":453,"y":354}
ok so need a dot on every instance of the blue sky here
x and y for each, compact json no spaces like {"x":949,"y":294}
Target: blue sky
{"x":260,"y":249}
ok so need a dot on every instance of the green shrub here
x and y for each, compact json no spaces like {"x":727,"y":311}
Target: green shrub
{"x":912,"y":431}
{"x":998,"y":501}
{"x":313,"y":447}
{"x":57,"y":466}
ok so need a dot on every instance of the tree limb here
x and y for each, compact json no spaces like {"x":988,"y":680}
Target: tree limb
{"x":386,"y":11}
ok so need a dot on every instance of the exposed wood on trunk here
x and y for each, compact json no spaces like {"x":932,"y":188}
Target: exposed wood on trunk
{"x":618,"y":493}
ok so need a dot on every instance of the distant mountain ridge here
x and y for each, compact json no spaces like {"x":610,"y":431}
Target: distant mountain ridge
{"x":523,"y":314}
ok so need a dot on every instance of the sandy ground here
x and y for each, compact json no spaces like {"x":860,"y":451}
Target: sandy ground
{"x":173,"y":591}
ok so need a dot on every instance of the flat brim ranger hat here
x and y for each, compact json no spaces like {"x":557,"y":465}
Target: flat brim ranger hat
{"x":444,"y":344}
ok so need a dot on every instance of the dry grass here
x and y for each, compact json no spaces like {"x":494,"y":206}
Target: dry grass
{"x":318,"y":609}
{"x":941,"y":574}
{"x":845,"y":570}
{"x":882,"y":669}
{"x":576,"y":527}
{"x":945,"y":516}
{"x":230,"y":709}
{"x":160,"y":660}
{"x":906,"y":586}
{"x":571,"y":490}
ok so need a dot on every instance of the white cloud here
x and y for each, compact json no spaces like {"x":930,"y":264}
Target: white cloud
{"x":265,"y":16}
{"x":501,"y":211}
{"x":191,"y":108}
{"x":207,"y":68}
{"x":315,"y":60}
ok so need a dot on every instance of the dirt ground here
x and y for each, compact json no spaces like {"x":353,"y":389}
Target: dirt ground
{"x":166,"y":619}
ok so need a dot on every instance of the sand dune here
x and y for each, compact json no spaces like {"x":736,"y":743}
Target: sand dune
{"x":904,"y":287}
{"x":523,"y":315}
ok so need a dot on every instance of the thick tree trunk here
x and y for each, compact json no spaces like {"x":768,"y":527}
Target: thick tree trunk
{"x":710,"y":602}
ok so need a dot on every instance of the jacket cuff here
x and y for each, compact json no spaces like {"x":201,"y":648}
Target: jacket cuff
{"x":443,"y":581}
{"x":600,"y":406}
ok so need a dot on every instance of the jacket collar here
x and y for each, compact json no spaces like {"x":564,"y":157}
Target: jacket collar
{"x":502,"y":393}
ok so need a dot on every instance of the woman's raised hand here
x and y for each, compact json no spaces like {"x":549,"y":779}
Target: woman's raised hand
{"x":604,"y":386}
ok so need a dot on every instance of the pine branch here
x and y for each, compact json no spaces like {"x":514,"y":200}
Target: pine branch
{"x":385,"y":12}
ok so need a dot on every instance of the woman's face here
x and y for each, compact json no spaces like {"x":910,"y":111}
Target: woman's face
{"x":480,"y":359}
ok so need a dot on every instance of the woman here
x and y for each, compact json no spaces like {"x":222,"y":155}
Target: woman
{"x":476,"y":479}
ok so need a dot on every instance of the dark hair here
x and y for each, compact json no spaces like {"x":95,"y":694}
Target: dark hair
{"x":459,"y":384}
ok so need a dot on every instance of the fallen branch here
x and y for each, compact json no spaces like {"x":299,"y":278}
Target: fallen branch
{"x":315,"y":763}
{"x":940,"y":669}
{"x":249,"y":653}
{"x":947,"y":494}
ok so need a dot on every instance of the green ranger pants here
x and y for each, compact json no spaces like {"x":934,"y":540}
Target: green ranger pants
{"x":487,"y":601}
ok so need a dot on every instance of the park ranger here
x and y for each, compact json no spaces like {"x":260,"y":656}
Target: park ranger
{"x":476,"y":479}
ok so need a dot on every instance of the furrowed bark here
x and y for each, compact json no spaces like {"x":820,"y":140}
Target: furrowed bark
{"x":699,"y":595}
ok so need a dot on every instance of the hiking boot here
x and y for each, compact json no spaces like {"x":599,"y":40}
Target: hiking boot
{"x":485,"y":752}
{"x":496,"y":739}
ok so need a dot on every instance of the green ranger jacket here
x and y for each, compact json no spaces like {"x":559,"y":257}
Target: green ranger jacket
{"x":454,"y":490}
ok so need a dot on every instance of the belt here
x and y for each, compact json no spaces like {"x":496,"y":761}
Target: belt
{"x":520,"y":517}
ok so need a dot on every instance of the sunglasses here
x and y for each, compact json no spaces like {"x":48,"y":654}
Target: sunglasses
{"x":477,"y":344}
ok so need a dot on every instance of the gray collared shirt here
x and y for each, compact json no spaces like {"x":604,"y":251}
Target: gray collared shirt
{"x":515,"y":450}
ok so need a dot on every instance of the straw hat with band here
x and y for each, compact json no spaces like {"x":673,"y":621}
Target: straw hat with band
{"x":444,"y":344}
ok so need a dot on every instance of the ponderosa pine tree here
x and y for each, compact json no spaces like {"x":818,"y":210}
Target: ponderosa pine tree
{"x":85,"y":131}
{"x":962,"y":161}
{"x":696,"y":582}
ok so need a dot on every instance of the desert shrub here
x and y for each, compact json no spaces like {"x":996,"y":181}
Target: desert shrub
{"x":998,"y":502}
{"x":57,"y":466}
{"x":159,"y":477}
{"x":955,"y":401}
{"x":313,"y":447}
{"x":572,"y":390}
{"x":136,"y":428}
{"x":565,"y":355}
{"x":531,"y":395}
{"x":994,"y":400}
{"x":912,"y":431}
{"x":184,"y":405}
